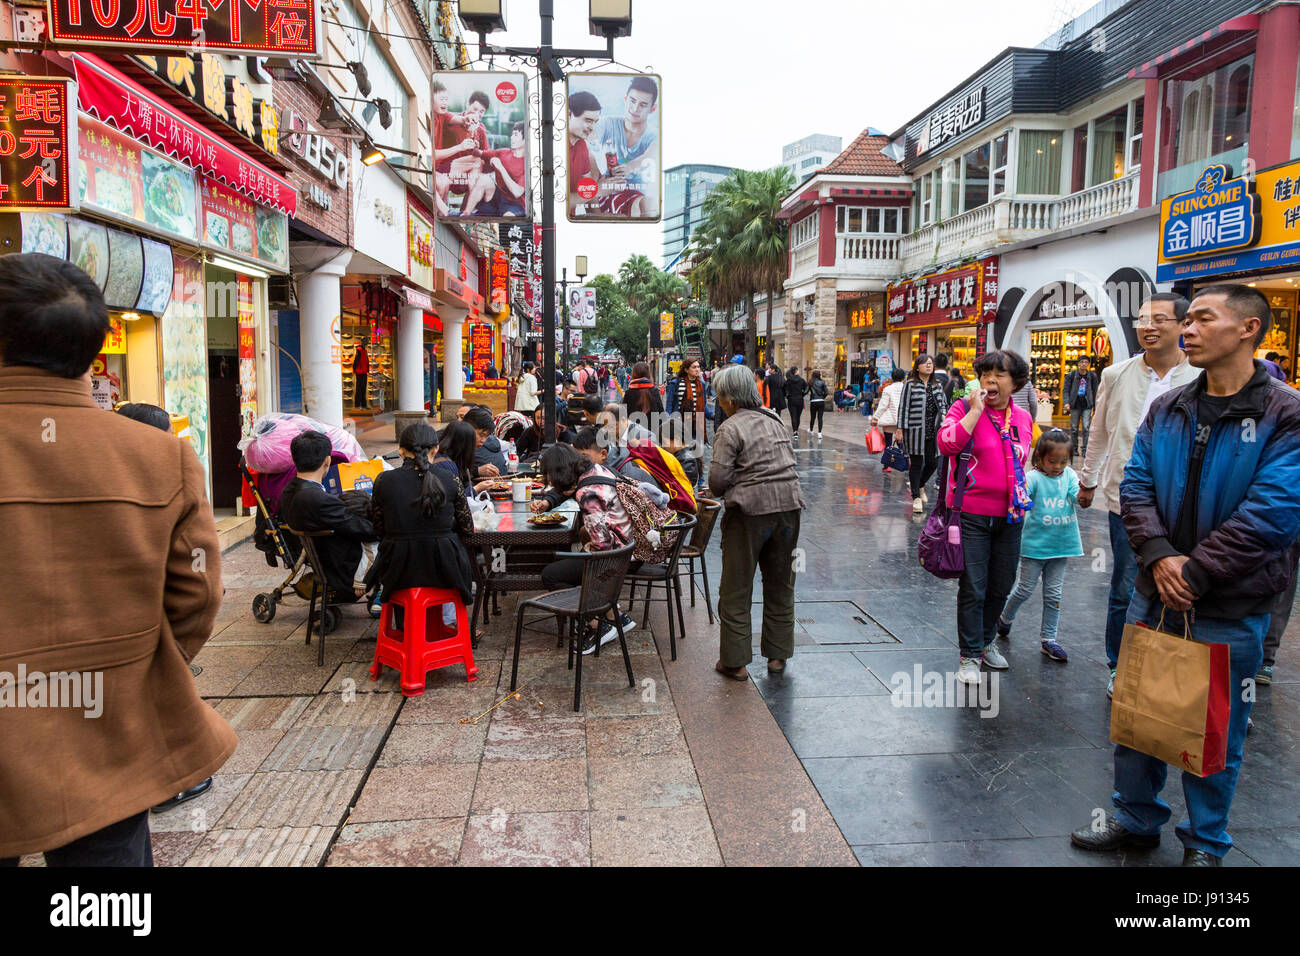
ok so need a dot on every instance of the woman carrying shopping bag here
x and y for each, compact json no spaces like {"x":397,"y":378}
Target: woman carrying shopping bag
{"x":920,"y":414}
{"x":886,"y":415}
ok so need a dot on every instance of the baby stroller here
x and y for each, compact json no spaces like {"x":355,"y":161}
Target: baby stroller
{"x":279,"y":548}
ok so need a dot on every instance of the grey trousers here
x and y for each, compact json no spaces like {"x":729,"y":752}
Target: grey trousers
{"x":764,"y":543}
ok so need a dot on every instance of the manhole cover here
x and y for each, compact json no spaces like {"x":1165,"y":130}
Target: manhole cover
{"x":833,"y":622}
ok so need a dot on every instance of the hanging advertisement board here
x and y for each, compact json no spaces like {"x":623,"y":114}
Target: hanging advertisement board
{"x":482,"y":171}
{"x":37,"y":142}
{"x":614,"y":168}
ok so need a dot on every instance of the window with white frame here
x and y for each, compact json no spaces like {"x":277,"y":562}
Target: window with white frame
{"x":804,"y":231}
{"x":1107,"y":147}
{"x":925,"y":187}
{"x":871,"y":220}
{"x":1001,"y":150}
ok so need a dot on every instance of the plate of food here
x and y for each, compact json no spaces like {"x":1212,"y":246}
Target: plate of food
{"x":548,"y":519}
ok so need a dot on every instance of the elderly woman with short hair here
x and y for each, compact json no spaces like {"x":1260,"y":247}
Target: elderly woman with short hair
{"x":753,"y":469}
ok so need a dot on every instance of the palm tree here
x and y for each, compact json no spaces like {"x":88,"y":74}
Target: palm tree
{"x":741,"y":247}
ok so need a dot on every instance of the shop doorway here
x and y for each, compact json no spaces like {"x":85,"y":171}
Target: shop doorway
{"x":224,"y":428}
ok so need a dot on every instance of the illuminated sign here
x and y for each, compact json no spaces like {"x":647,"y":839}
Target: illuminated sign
{"x":36,"y":144}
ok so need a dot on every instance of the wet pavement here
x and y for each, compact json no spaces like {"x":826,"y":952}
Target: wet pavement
{"x":943,"y":784}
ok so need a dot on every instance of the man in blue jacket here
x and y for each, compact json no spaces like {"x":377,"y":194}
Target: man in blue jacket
{"x":1210,"y":506}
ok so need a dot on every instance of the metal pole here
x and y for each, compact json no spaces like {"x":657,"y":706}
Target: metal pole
{"x":564,"y":304}
{"x":547,"y":12}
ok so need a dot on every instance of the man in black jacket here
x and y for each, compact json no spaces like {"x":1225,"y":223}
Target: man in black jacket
{"x":489,"y":459}
{"x":1080,"y":397}
{"x":775,"y":391}
{"x":306,"y":506}
{"x":795,"y":387}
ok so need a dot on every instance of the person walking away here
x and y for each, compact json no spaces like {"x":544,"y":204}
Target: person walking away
{"x":1124,"y":396}
{"x":870,"y":392}
{"x":1270,"y":363}
{"x":885,"y":416}
{"x":956,"y":384}
{"x":642,"y":397}
{"x":76,"y":788}
{"x":753,"y":469}
{"x":795,"y":389}
{"x":996,"y":499}
{"x":920,"y":413}
{"x":941,"y":374}
{"x":776,"y":388}
{"x":1081,"y":395}
{"x":817,"y":395}
{"x":1209,"y":501}
{"x":526,"y":390}
{"x":1049,"y":540}
{"x":417,"y":512}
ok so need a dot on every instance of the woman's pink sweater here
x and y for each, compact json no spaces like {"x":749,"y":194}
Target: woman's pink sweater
{"x":988,"y":487}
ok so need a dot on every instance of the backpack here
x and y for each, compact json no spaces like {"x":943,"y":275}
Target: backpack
{"x":589,"y":384}
{"x":646,"y":519}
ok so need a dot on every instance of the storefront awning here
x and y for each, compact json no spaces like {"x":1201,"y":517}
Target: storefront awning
{"x":109,"y":95}
{"x":1151,"y":68}
{"x":870,"y":192}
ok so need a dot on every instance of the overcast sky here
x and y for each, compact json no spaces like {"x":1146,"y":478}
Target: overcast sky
{"x":744,"y":77}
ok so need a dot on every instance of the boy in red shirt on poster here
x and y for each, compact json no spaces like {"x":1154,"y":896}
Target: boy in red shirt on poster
{"x":507,"y":184}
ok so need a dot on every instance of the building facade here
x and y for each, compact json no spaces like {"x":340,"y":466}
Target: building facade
{"x":806,"y":157}
{"x":686,"y":188}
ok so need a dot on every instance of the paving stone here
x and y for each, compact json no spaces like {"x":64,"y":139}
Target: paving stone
{"x":431,"y":744}
{"x":445,"y":699}
{"x":761,"y":818}
{"x":531,"y":786}
{"x":680,"y":836}
{"x":343,"y":710}
{"x":527,"y":839}
{"x":641,"y":736}
{"x":415,"y":792}
{"x":399,"y":843}
{"x":200,"y":814}
{"x":515,"y":737}
{"x":292,"y":799}
{"x":173,"y":848}
{"x":252,"y":749}
{"x":275,"y":846}
{"x":641,"y":783}
{"x":262,"y":713}
{"x":325,"y":748}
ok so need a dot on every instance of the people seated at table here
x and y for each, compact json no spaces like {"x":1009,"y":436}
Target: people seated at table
{"x":455,"y":455}
{"x":591,"y":445}
{"x":418,"y":510}
{"x":529,"y":445}
{"x":489,"y":458}
{"x":605,"y":523}
{"x":305,"y":505}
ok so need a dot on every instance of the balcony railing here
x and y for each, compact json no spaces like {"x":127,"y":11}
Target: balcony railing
{"x":805,"y":259}
{"x":872,"y":248}
{"x":1009,"y":219}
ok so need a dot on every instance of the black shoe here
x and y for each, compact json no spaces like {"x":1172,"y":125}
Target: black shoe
{"x":180,"y":798}
{"x":1112,"y":836}
{"x":1200,"y":858}
{"x":1004,"y":629}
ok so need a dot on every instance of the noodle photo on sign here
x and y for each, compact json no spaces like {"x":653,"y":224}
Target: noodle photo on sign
{"x":614,"y":166}
{"x":480,"y":145}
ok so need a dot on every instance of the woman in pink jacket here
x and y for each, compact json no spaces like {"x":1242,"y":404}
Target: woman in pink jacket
{"x":999,"y":434}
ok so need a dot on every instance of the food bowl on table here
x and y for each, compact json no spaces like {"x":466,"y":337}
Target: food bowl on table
{"x":548,"y":519}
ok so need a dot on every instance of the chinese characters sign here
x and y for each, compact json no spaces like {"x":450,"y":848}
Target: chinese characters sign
{"x":203,"y":78}
{"x":517,"y":240}
{"x":419,"y":246}
{"x":500,"y":280}
{"x":282,"y":27}
{"x":1223,"y":226}
{"x":964,"y":296}
{"x":120,"y":178}
{"x":950,"y":120}
{"x":35,"y":146}
{"x":247,"y":358}
{"x":481,"y":350}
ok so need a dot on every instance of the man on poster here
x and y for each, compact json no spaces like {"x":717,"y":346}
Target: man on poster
{"x":459,"y":142}
{"x":630,"y":140}
{"x":502,"y":193}
{"x":589,"y":191}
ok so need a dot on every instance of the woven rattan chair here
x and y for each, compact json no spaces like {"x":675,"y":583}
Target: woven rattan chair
{"x":707,"y":512}
{"x":666,"y":576}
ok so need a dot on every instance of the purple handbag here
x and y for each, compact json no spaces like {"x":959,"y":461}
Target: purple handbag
{"x":940,"y":547}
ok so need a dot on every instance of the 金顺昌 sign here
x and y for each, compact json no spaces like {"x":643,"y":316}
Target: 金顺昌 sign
{"x":35,"y":144}
{"x":1219,"y":215}
{"x":283,"y":27}
{"x":966,"y":295}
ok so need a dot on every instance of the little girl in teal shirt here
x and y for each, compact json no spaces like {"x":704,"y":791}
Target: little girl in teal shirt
{"x":1050,"y":538}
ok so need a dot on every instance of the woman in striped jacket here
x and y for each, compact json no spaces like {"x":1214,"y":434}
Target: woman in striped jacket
{"x":920,"y":413}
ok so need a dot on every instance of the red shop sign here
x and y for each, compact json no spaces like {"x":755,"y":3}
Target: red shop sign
{"x":500,"y":278}
{"x":964,"y":296}
{"x":34,"y":144}
{"x":113,"y":98}
{"x":284,"y":27}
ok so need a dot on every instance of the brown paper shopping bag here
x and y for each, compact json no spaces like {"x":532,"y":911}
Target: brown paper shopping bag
{"x":1171,"y":698}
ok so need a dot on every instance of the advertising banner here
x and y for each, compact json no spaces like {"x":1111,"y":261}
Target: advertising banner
{"x":499,"y":270}
{"x":247,"y":358}
{"x":282,"y":27}
{"x":613,"y":150}
{"x":480,"y":339}
{"x":665,"y":327}
{"x":582,"y":308}
{"x":123,"y":180}
{"x":420,"y":246}
{"x":967,"y":295}
{"x":517,"y":240}
{"x":37,"y":141}
{"x":480,"y":142}
{"x":1226,"y":225}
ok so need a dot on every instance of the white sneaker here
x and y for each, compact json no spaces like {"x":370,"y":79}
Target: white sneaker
{"x":918,"y":506}
{"x":925,"y":499}
{"x":819,"y":434}
{"x":994,"y":659}
{"x":609,"y":633}
{"x":968,"y":671}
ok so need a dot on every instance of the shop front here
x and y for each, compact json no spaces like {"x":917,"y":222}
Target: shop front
{"x":414,"y":360}
{"x":1243,"y":231}
{"x":947,"y":312}
{"x":863,"y":316}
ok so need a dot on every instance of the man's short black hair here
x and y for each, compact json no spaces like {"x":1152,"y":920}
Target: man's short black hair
{"x":1180,"y":304}
{"x":593,"y":404}
{"x":1004,"y":360}
{"x":583,"y":102}
{"x":897,"y":375}
{"x":941,"y":360}
{"x":478,"y":96}
{"x":480,"y":418}
{"x":1083,"y":358}
{"x":146,"y":413}
{"x":310,"y":450}
{"x":1272,"y":357}
{"x":644,"y":84}
{"x":52,"y":315}
{"x":1245,"y":303}
{"x":586,"y":438}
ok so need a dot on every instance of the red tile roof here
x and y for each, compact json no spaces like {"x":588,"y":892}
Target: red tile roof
{"x":864,"y":158}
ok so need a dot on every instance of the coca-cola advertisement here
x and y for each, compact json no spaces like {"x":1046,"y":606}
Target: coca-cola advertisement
{"x":480,"y":145}
{"x":612,"y":148}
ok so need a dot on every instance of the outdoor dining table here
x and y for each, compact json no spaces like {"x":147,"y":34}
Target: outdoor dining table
{"x":528,"y":548}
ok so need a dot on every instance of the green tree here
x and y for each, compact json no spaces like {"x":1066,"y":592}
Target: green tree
{"x":618,"y":326}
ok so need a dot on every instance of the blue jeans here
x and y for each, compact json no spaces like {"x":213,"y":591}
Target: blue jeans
{"x":1123,"y":574}
{"x":991,"y":547}
{"x":1053,"y":573}
{"x":1139,"y":778}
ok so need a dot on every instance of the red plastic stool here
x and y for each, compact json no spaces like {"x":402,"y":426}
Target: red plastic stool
{"x":409,"y":650}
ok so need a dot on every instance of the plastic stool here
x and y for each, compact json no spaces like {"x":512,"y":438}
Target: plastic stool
{"x":409,"y":650}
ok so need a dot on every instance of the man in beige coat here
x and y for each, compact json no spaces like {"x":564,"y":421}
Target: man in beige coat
{"x":110,"y":584}
{"x":1125,"y":394}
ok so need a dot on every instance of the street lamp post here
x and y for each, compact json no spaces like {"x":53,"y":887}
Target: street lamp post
{"x":609,"y":18}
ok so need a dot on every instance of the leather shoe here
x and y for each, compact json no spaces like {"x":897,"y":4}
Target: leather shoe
{"x":1200,"y":858}
{"x":775,"y":666}
{"x":195,"y":791}
{"x":735,"y":673}
{"x":1112,"y":836}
